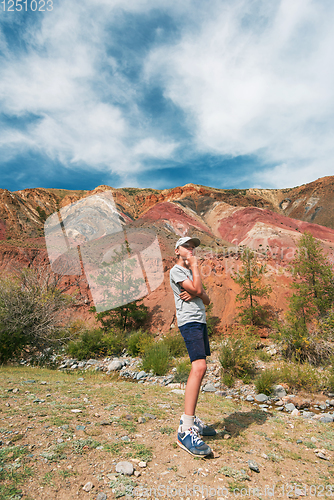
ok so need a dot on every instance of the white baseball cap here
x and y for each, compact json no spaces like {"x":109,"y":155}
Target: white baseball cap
{"x":185,"y":239}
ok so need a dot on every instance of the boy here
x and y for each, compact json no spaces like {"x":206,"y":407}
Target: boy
{"x":190,"y":300}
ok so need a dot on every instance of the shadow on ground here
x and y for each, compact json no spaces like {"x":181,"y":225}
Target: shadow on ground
{"x":238,"y":421}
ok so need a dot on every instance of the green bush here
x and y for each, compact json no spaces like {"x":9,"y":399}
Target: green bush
{"x":97,"y":343}
{"x":264,"y":356}
{"x":138,"y":341}
{"x":302,"y":376}
{"x":326,"y":326}
{"x":175,"y":344}
{"x":228,"y":379}
{"x":157,"y":358}
{"x":237,"y":357}
{"x":33,"y":312}
{"x":265,"y":381}
{"x":330,"y":383}
{"x":182,"y":371}
{"x":302,"y":344}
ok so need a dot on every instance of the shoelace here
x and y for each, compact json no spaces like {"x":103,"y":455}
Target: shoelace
{"x":199,"y":422}
{"x":194,"y":435}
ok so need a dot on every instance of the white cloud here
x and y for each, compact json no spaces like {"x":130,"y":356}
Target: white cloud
{"x":252,"y":77}
{"x":68,"y":80}
{"x":256,"y":79}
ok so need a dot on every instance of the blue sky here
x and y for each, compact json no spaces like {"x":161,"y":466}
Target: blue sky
{"x":149,"y":93}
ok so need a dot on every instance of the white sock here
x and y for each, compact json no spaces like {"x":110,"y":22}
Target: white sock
{"x":188,"y":421}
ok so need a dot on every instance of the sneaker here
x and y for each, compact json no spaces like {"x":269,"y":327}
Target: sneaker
{"x":192,"y":443}
{"x":202,"y":429}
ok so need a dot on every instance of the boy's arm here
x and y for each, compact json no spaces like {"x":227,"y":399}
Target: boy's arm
{"x":186,"y":295}
{"x":195,"y":287}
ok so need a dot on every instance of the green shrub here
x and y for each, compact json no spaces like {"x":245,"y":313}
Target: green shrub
{"x":330,"y":385}
{"x":182,"y":371}
{"x":302,"y":344}
{"x":237,"y":357}
{"x":302,"y":376}
{"x":175,"y":344}
{"x":326,"y":326}
{"x":32,"y":312}
{"x":157,"y":358}
{"x":228,"y":379}
{"x":265,"y":381}
{"x":96,"y":343}
{"x":212,"y":322}
{"x":330,"y":382}
{"x":138,"y":341}
{"x":264,"y":356}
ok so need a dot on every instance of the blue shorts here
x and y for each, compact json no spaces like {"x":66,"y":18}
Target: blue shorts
{"x":196,"y":338}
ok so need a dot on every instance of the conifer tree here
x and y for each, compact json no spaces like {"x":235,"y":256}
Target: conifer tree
{"x":250,"y":279}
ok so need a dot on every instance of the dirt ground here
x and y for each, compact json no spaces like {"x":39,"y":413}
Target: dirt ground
{"x":50,"y":451}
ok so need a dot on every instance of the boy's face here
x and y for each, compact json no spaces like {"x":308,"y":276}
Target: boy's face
{"x":186,"y":250}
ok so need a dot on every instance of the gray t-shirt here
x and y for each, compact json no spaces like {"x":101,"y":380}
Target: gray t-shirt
{"x":193,"y":310}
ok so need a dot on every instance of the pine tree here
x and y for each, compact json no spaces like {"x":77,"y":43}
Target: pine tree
{"x":252,"y":288}
{"x":313,"y":280}
{"x":121,"y":287}
{"x":313,"y":296}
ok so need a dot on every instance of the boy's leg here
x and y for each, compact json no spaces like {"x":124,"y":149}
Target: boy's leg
{"x":187,"y":437}
{"x":197,"y":372}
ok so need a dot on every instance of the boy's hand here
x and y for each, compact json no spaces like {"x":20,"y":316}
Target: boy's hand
{"x":192,"y":260}
{"x":186,"y":296}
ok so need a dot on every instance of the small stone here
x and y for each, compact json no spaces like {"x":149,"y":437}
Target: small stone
{"x":141,"y":420}
{"x":209,"y":388}
{"x":137,"y":473}
{"x":101,"y":496}
{"x":314,"y":440}
{"x":149,"y":416}
{"x":326,"y":419}
{"x":261,"y":398}
{"x":125,"y":468}
{"x":290,"y":407}
{"x":279,"y":391}
{"x":299,"y":441}
{"x":125,"y":438}
{"x":88,"y":486}
{"x":76,"y":411}
{"x":179,"y":391}
{"x":321,"y":453}
{"x":142,"y":464}
{"x":60,"y":440}
{"x":220,"y":393}
{"x":64,"y":427}
{"x":249,"y":398}
{"x":295,"y":413}
{"x":114,"y":366}
{"x":253,"y":466}
{"x":16,"y":390}
{"x":227,"y":436}
{"x":141,"y":374}
{"x":80,"y":427}
{"x":307,"y":414}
